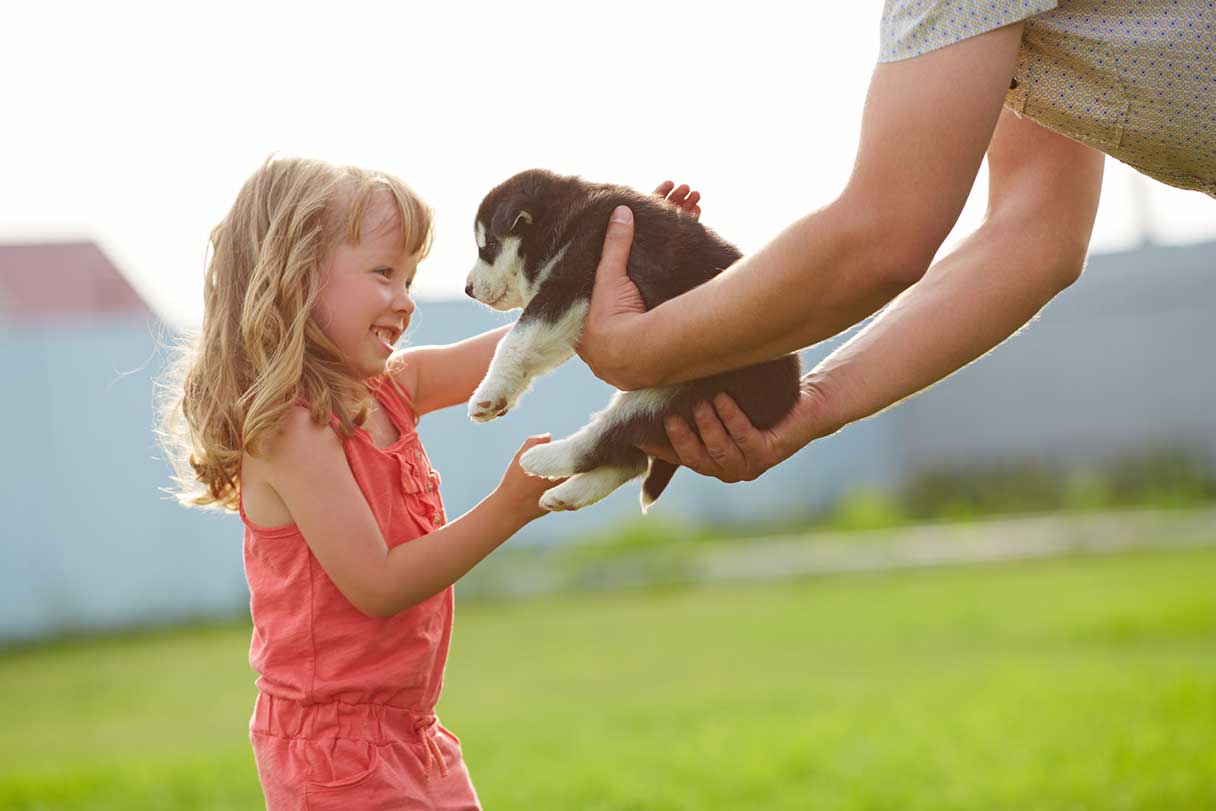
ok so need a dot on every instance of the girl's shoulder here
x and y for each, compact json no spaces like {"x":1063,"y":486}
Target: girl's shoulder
{"x":398,"y":383}
{"x":298,"y":440}
{"x":402,"y":369}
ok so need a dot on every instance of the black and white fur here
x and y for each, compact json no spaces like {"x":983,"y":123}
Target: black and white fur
{"x":539,"y":238}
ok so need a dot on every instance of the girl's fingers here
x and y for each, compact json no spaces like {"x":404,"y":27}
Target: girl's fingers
{"x":536,"y":439}
{"x":681,"y":197}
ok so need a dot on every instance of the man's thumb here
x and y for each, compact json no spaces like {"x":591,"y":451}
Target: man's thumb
{"x":617,"y":242}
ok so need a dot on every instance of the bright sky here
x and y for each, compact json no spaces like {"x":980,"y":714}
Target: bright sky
{"x":135,"y":126}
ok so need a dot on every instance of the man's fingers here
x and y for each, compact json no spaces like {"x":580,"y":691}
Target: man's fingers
{"x":750,"y":439}
{"x":737,"y":424}
{"x":687,"y":445}
{"x":614,"y":291}
{"x":617,"y":242}
{"x":720,"y":446}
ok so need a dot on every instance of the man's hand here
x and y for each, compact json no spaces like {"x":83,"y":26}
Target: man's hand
{"x":730,"y":448}
{"x":613,"y":327}
{"x":614,"y":331}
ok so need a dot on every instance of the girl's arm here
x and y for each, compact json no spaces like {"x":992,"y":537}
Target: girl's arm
{"x":442,"y":376}
{"x":309,"y":472}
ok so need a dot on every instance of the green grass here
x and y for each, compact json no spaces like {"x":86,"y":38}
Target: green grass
{"x":1074,"y":684}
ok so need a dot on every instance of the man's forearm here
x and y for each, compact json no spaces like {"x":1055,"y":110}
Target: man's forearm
{"x":970,"y":301}
{"x":821,"y":275}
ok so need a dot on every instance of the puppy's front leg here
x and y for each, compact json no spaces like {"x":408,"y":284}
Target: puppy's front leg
{"x":536,"y":344}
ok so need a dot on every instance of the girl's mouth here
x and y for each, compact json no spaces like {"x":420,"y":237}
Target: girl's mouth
{"x":384,"y":337}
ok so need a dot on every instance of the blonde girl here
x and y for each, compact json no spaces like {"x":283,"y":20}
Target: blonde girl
{"x":292,"y":409}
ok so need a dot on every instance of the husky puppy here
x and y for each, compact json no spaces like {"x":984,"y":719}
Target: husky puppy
{"x":539,"y":239}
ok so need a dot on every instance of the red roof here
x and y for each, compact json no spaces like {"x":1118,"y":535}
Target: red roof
{"x":52,"y":281}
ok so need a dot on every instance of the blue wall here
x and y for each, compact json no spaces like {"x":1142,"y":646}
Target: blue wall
{"x":1122,"y":361}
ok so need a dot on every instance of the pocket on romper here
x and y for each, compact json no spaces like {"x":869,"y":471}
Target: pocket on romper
{"x":379,"y":782}
{"x":339,"y":763}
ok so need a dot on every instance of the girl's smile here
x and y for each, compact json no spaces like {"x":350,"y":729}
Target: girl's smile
{"x":364,"y":306}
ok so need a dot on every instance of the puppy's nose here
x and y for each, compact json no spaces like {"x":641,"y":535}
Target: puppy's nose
{"x":468,"y":289}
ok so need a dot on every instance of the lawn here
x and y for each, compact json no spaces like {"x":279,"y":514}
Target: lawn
{"x":1085,"y":683}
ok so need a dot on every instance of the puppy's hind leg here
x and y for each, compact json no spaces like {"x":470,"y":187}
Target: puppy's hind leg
{"x":587,"y":488}
{"x":599,"y":443}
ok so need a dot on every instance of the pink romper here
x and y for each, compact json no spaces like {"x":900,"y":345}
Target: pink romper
{"x":345,"y":712}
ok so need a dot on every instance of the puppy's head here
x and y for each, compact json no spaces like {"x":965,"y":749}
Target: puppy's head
{"x":508,"y":233}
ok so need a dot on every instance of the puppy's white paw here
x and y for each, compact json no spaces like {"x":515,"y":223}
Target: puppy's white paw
{"x":555,"y":502}
{"x":554,"y":460}
{"x":585,"y":489}
{"x":491,"y":400}
{"x":486,"y":410}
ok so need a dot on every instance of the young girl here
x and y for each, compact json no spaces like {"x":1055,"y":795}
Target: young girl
{"x":293,"y":410}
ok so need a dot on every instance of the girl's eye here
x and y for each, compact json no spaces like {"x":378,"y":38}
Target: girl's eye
{"x":386,"y":271}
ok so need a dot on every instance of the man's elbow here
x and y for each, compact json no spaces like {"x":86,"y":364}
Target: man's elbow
{"x":899,"y":264}
{"x":1066,"y":269}
{"x":892,"y":253}
{"x":1056,"y":256}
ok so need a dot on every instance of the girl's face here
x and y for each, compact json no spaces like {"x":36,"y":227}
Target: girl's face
{"x":364,"y":305}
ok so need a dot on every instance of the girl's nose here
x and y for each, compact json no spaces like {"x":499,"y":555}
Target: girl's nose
{"x":405,"y":302}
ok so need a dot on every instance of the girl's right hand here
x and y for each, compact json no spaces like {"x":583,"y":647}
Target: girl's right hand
{"x":680,"y":197}
{"x":521,"y":491}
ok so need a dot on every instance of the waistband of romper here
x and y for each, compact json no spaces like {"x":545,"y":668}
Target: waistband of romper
{"x":377,"y":723}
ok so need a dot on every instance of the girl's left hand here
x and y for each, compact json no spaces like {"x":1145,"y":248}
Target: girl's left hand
{"x":681,"y":197}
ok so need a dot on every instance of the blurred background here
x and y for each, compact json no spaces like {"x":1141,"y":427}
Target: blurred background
{"x":997,"y":594}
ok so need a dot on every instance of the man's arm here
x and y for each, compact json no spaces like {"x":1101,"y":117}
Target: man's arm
{"x":926,"y":124}
{"x":1043,"y":197}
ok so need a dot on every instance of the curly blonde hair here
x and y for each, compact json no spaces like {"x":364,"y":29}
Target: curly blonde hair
{"x":228,"y":385}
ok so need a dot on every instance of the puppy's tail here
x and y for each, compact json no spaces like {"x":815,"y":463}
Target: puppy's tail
{"x":657,"y":477}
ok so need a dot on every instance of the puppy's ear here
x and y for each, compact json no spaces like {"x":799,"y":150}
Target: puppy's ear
{"x":512,"y":217}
